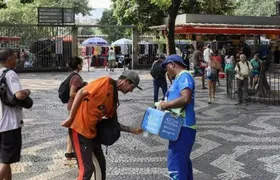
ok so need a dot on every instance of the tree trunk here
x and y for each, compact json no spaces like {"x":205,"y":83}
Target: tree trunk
{"x":170,"y":27}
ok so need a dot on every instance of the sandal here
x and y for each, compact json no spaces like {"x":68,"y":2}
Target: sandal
{"x":70,"y":155}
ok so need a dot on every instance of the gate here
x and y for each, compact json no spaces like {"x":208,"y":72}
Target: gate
{"x":39,"y":48}
{"x":266,"y":91}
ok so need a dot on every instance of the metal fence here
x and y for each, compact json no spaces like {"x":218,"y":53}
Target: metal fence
{"x":38,"y":47}
{"x":266,"y":91}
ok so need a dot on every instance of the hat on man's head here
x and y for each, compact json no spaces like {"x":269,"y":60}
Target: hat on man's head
{"x":173,"y":58}
{"x":133,"y":76}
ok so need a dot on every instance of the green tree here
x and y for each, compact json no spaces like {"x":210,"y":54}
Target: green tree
{"x":141,"y":13}
{"x":255,"y":7}
{"x":113,"y":33}
{"x":222,"y":7}
{"x":87,"y":31}
{"x":146,"y":13}
{"x":19,"y":13}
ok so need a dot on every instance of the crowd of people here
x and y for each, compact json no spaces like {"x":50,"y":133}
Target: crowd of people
{"x":90,"y":104}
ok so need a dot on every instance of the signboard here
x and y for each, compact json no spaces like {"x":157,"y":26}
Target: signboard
{"x":48,"y":15}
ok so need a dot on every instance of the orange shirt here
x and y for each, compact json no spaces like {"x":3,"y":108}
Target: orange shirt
{"x":94,"y":106}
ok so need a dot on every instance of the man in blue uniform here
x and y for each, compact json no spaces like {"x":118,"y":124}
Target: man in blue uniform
{"x":180,"y":95}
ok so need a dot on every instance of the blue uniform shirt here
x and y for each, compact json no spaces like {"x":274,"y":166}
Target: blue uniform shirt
{"x":184,"y":81}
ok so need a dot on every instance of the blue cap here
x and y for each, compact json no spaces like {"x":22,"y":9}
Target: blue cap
{"x":173,"y":58}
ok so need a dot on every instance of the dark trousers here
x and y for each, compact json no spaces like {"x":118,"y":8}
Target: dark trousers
{"x":159,"y":83}
{"x":85,"y":150}
{"x":242,"y":89}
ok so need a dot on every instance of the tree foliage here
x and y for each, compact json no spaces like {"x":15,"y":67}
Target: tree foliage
{"x":17,"y":12}
{"x":221,"y":7}
{"x":141,"y":13}
{"x":113,"y":33}
{"x":255,"y":7}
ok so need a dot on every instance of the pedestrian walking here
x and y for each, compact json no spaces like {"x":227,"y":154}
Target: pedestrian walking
{"x":181,"y":94}
{"x":243,"y":70}
{"x":76,"y":82}
{"x":207,"y":52}
{"x":218,"y":58}
{"x":96,"y":100}
{"x":159,"y":77}
{"x":199,"y":65}
{"x":211,"y":73}
{"x":256,"y":64}
{"x":111,"y":59}
{"x":11,"y":118}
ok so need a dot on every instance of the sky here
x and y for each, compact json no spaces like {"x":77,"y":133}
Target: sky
{"x":100,"y":3}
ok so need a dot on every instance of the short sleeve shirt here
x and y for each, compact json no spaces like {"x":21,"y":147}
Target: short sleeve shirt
{"x":111,"y":55}
{"x":197,"y":57}
{"x":94,"y":106}
{"x":76,"y":81}
{"x":11,"y":117}
{"x":184,"y":81}
{"x":256,"y":65}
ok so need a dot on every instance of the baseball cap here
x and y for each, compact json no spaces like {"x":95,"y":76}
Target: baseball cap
{"x":133,"y":76}
{"x":173,"y":58}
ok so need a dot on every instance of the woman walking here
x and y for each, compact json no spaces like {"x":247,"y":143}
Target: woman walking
{"x":211,"y":72}
{"x":75,"y":83}
{"x":217,"y":58}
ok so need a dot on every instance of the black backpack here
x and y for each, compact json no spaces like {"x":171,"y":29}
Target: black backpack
{"x":108,"y":130}
{"x":13,"y":101}
{"x":64,"y":89}
{"x":157,"y":72}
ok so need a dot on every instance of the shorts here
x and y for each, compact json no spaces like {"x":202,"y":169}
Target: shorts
{"x":255,"y":74}
{"x":198,"y":71}
{"x":212,"y":77}
{"x":10,"y":146}
{"x":112,"y":63}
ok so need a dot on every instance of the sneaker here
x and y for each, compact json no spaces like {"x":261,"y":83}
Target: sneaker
{"x":245,"y":103}
{"x":204,"y":87}
{"x":209,"y":102}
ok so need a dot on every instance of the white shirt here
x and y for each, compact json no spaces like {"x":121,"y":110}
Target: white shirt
{"x":111,"y":55}
{"x":11,"y":117}
{"x":206,"y":53}
{"x":244,"y":69}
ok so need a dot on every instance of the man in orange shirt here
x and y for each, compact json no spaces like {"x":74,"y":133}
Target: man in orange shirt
{"x":91,"y":103}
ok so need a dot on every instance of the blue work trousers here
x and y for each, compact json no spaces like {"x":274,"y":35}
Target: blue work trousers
{"x":179,"y":162}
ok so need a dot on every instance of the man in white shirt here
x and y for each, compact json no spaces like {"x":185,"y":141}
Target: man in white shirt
{"x":243,"y":70}
{"x":207,"y":52}
{"x":10,"y":117}
{"x":111,"y":59}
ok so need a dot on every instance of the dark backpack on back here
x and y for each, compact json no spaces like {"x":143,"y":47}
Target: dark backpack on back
{"x":12,"y":101}
{"x":157,"y":72}
{"x":108,"y":130}
{"x":64,"y":89}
